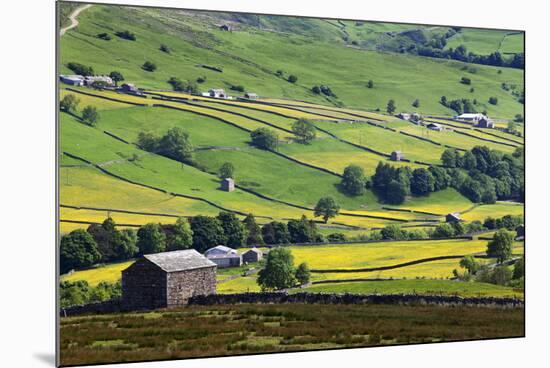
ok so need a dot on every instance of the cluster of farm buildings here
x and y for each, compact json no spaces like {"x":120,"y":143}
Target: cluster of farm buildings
{"x":108,"y":83}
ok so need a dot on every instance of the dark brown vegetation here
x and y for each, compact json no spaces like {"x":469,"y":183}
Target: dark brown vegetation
{"x":247,"y":328}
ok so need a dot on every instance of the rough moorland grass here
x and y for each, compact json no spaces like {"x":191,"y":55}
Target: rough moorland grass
{"x":430,"y":287}
{"x":397,"y":76}
{"x":246,"y":328}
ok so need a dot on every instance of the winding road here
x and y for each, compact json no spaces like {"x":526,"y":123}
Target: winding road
{"x":72,"y":17}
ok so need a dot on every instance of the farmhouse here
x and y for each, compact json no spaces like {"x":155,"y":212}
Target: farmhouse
{"x":167,"y":279}
{"x":452,"y":217}
{"x":224,"y":256}
{"x":228,"y":185}
{"x":469,"y":117}
{"x":396,"y":156}
{"x":73,"y":80}
{"x":251,"y":96}
{"x":434,"y":126}
{"x":404,"y":116}
{"x":252,"y":255}
{"x":216,"y":92}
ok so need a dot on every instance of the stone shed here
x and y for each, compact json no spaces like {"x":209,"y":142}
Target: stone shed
{"x":252,"y":255}
{"x":228,"y":185}
{"x":167,"y":279}
{"x":397,"y":156}
{"x":452,"y":217}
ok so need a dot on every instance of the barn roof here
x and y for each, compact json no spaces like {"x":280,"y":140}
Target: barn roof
{"x":253,"y":250}
{"x":221,"y":248}
{"x":179,"y":260}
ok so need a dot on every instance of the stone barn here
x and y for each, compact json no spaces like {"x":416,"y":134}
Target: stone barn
{"x":224,"y":256}
{"x":452,"y":217}
{"x":397,"y":156}
{"x":252,"y":255}
{"x":434,"y":126}
{"x":228,"y":185}
{"x":167,"y":279}
{"x":251,"y":96}
{"x":485,"y":122}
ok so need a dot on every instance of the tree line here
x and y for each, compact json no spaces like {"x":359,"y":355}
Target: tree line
{"x":104,"y":243}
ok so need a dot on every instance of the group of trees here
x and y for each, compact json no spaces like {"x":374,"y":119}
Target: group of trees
{"x":481,"y":174}
{"x":69,"y":104}
{"x":394,"y":184}
{"x":279,"y":271}
{"x":294,"y":231}
{"x":353,"y":181}
{"x":175,"y":144}
{"x":80,"y":69}
{"x":149,"y":66}
{"x":461,"y":53}
{"x":305,"y":130}
{"x":500,"y":247}
{"x":183,"y":86}
{"x":485,"y":175}
{"x":460,"y":105}
{"x":127,"y":35}
{"x":264,"y":138}
{"x":324,"y":90}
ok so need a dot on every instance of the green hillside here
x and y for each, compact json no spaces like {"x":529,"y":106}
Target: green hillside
{"x":250,"y":57}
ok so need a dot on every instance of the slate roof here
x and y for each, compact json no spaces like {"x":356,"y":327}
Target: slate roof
{"x":454,"y":215}
{"x":225,"y":252}
{"x":179,"y":260}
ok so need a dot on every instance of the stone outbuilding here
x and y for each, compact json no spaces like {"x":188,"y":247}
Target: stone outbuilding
{"x":224,"y":256}
{"x":228,"y":185}
{"x":435,"y":126}
{"x":251,"y":96}
{"x":167,"y":279}
{"x":452,"y":217}
{"x":252,"y":255}
{"x":397,"y":156}
{"x":485,"y":122}
{"x":130,"y":89}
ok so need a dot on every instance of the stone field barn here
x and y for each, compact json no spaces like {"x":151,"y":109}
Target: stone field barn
{"x":167,"y":279}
